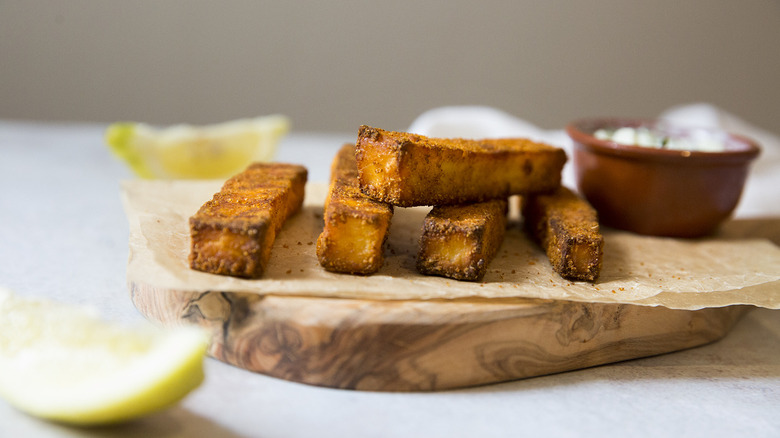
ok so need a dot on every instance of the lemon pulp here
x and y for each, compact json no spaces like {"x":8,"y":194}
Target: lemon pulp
{"x":189,"y":152}
{"x":64,"y":363}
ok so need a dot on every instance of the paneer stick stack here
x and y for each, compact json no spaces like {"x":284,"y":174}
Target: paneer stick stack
{"x":467,"y":182}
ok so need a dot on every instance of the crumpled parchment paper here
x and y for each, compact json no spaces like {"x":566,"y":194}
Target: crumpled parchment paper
{"x":741,"y":265}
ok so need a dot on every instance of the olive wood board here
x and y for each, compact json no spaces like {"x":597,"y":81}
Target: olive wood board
{"x":425,"y":345}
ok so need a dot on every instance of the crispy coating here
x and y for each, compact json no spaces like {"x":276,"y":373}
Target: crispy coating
{"x":356,"y":226}
{"x":405,"y":169}
{"x":344,"y":165}
{"x":567,"y":228}
{"x":459,"y":241}
{"x":232,"y":234}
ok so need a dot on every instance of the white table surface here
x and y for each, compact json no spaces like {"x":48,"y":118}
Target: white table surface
{"x":63,"y":235}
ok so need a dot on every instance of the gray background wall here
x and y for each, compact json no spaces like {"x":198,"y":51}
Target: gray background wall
{"x":332,"y":65}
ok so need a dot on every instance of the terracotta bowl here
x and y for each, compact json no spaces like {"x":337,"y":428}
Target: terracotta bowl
{"x":662,"y":192}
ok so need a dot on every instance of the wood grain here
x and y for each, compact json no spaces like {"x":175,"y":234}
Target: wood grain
{"x":425,"y":345}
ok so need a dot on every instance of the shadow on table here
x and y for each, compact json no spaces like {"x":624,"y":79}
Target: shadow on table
{"x":762,"y":228}
{"x":175,"y":422}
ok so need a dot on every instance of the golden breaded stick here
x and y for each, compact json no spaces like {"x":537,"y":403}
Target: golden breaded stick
{"x":344,"y":166}
{"x":406,"y":169}
{"x":567,"y":228}
{"x":355,"y":226}
{"x":232,"y":234}
{"x":459,"y":241}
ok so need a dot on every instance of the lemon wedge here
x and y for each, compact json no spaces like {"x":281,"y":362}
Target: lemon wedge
{"x":196,"y":152}
{"x":63,"y":363}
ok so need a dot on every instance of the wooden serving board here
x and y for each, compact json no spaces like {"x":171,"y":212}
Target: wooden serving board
{"x":403,"y":336}
{"x":425,"y":345}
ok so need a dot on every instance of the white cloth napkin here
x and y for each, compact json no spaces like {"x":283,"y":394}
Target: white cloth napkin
{"x":760,"y":198}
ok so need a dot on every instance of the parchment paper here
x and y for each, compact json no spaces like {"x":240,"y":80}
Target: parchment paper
{"x":739,"y":266}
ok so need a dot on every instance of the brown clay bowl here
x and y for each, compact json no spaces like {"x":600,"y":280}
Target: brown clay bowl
{"x":661,"y":192}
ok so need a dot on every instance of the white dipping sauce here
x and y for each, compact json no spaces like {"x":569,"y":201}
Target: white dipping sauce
{"x":646,"y":137}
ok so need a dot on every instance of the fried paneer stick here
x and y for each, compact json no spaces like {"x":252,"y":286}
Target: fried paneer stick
{"x":355,"y":226}
{"x":567,"y":228}
{"x":459,"y":241}
{"x":232,"y":234}
{"x":405,"y":169}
